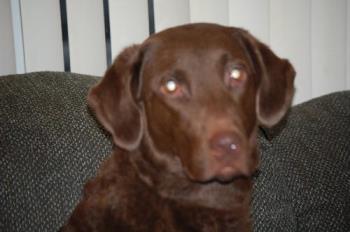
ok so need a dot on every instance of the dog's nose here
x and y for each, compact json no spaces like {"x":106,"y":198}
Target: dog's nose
{"x":224,"y":144}
{"x":228,"y":156}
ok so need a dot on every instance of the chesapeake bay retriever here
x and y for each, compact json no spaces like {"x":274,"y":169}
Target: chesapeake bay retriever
{"x":183,"y":109}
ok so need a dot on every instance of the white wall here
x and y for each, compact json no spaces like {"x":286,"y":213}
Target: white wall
{"x":42,"y":37}
{"x":313,"y":34}
{"x":290,"y":37}
{"x":129,"y":23}
{"x":7,"y":50}
{"x":328,"y":46}
{"x":257,"y":21}
{"x":86,"y":36}
{"x":169,"y":13}
{"x":209,"y":11}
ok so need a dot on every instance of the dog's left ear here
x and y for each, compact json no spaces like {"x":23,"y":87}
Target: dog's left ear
{"x":276,"y":89}
{"x":113,"y":103}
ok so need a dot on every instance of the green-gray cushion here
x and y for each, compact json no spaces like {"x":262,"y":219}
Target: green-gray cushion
{"x":304,"y":183}
{"x":50,"y":145}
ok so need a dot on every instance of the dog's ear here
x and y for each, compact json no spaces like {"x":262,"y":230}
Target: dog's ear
{"x":112,"y":100}
{"x":276,"y":89}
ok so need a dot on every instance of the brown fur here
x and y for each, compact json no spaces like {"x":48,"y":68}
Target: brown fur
{"x":174,"y":168}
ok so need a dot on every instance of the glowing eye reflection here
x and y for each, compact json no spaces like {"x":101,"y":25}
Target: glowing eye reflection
{"x":171,"y":86}
{"x":235,"y":74}
{"x":233,"y":147}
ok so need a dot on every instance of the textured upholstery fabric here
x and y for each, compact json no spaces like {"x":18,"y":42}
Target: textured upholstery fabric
{"x":304,"y":184}
{"x":50,"y":145}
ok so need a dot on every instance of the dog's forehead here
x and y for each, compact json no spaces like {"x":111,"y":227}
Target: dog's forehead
{"x":196,"y":44}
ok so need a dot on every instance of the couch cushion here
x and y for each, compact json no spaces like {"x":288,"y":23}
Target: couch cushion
{"x":50,"y":146}
{"x":304,"y":184}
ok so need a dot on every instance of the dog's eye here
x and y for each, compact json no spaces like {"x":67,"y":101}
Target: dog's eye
{"x":171,"y":87}
{"x":236,"y":76}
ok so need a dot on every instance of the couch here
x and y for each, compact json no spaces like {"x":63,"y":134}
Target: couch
{"x":50,"y":145}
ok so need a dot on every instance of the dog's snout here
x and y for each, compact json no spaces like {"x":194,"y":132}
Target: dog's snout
{"x":224,"y":144}
{"x":228,"y":156}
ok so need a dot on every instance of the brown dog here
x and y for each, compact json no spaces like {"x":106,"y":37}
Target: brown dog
{"x":183,"y":109}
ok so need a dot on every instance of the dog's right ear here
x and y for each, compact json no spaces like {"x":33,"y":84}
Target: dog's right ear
{"x":113,"y":103}
{"x":276,"y":89}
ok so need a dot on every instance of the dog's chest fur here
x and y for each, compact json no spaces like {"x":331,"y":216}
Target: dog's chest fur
{"x":123,"y":202}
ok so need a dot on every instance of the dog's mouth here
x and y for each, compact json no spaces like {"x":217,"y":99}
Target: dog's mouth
{"x":228,"y":174}
{"x":220,"y":179}
{"x":217,"y":172}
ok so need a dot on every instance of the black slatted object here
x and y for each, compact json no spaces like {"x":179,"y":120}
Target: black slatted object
{"x":65,"y":37}
{"x":151,"y":17}
{"x":107,"y":32}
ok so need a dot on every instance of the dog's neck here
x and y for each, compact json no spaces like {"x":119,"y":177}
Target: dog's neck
{"x":165,"y":176}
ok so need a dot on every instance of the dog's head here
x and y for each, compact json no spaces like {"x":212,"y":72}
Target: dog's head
{"x":197,"y":92}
